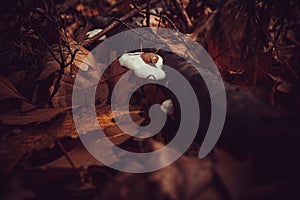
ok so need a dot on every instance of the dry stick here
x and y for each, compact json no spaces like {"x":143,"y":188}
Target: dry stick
{"x":156,"y":15}
{"x":62,"y":67}
{"x":208,"y":21}
{"x":148,"y":15}
{"x":62,"y":148}
{"x":165,"y":17}
{"x":184,"y":14}
{"x":127,"y":26}
{"x":131,"y":29}
{"x":61,"y":62}
{"x":61,"y":71}
{"x":90,"y":41}
{"x":66,"y":153}
{"x":46,"y":44}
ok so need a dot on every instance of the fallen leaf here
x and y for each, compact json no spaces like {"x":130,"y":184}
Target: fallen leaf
{"x":82,"y":59}
{"x":16,"y":77}
{"x":79,"y":156}
{"x":9,"y":91}
{"x":186,"y":178}
{"x":34,"y":116}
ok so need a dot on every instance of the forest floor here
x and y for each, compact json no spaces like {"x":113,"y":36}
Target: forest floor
{"x":41,"y":155}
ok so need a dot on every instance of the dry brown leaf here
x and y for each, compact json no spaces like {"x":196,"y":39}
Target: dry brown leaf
{"x":81,"y":60}
{"x":34,"y":116}
{"x":281,"y":84}
{"x":8,"y":90}
{"x":63,"y":97}
{"x":16,"y":77}
{"x":79,"y":156}
{"x":186,"y":178}
{"x":238,"y":176}
{"x":50,"y":64}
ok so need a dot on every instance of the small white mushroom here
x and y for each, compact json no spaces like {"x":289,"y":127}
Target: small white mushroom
{"x":144,"y":65}
{"x":167,"y":107}
{"x":94,"y":32}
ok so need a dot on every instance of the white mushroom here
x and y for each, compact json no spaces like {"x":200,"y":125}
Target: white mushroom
{"x":167,"y":107}
{"x":94,"y":32}
{"x":144,"y":65}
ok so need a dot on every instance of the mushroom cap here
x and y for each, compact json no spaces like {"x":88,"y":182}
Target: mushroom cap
{"x":144,"y":65}
{"x":167,"y":107}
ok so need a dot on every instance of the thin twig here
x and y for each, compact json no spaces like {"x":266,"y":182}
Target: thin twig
{"x":139,"y":34}
{"x":90,"y":41}
{"x":209,"y":21}
{"x":147,"y":13}
{"x":61,"y":72}
{"x":46,"y":44}
{"x":170,"y":21}
{"x":62,"y":61}
{"x":156,"y":15}
{"x":66,"y":153}
{"x":184,"y":14}
{"x":62,"y":148}
{"x":125,"y":24}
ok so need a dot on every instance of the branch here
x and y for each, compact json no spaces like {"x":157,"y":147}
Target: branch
{"x":148,"y":15}
{"x":90,"y":41}
{"x":63,"y":65}
{"x":184,"y":14}
{"x":46,"y":44}
{"x":156,"y":15}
